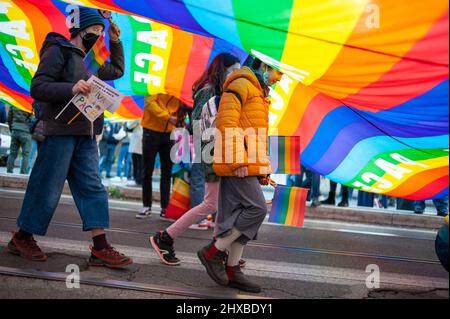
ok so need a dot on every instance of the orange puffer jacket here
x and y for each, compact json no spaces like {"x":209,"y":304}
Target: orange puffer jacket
{"x":242,"y":123}
{"x":157,"y":111}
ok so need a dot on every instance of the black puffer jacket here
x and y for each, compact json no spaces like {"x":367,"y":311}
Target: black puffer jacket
{"x":60,"y":68}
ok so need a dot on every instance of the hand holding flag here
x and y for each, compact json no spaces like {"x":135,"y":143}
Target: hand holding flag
{"x":97,"y":56}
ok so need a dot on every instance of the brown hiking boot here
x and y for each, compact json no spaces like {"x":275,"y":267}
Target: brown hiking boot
{"x":26,"y":248}
{"x":238,"y":280}
{"x":108,"y":257}
{"x":213,"y":260}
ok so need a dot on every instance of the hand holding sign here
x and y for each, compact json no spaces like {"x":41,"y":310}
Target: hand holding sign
{"x":82,"y":87}
{"x":92,"y":98}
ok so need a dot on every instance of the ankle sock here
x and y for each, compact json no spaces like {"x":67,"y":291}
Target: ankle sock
{"x":100,"y":242}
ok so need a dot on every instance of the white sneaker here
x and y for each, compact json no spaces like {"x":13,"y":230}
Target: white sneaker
{"x":144,"y":213}
{"x":116,"y":179}
{"x":203,"y":225}
{"x":124,"y":179}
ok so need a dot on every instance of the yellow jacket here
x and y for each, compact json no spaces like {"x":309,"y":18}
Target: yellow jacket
{"x":248,"y":109}
{"x":157,"y":112}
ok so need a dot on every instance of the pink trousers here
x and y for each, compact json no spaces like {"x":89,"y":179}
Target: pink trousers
{"x":208,"y":206}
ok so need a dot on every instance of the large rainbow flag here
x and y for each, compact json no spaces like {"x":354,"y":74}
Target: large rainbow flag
{"x":365,"y":85}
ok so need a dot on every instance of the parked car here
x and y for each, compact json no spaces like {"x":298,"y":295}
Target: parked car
{"x":5,"y":143}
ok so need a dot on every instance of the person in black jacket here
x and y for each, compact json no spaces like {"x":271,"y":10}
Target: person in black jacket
{"x":69,"y":151}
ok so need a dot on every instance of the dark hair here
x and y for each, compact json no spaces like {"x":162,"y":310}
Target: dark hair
{"x":256,"y":64}
{"x":214,"y":75}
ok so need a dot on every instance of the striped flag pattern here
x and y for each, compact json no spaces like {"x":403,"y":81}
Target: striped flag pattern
{"x":288,"y":206}
{"x":97,"y":56}
{"x":285,"y":154}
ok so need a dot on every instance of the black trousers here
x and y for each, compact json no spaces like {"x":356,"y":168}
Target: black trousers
{"x":333,"y":186}
{"x":137,"y":168}
{"x":152,"y":144}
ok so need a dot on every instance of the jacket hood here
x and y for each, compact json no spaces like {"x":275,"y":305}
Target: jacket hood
{"x":55,"y":38}
{"x":244,"y":72}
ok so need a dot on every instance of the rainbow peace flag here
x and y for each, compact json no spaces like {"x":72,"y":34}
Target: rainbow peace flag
{"x":369,"y":99}
{"x":180,"y":201}
{"x":285,"y":154}
{"x":97,"y":56}
{"x":288,"y":206}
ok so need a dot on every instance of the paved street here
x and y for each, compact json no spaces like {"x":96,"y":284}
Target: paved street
{"x":322,"y":260}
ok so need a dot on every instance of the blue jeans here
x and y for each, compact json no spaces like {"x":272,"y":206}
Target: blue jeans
{"x":107,"y":160}
{"x":441,"y":204}
{"x":74,"y":158}
{"x":365,"y":199}
{"x":197,"y":187}
{"x":32,"y":155}
{"x":124,"y":156}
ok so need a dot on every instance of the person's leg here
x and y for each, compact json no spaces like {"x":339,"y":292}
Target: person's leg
{"x":46,"y":184}
{"x":26,"y":142}
{"x":236,"y":277}
{"x":86,"y":186}
{"x":139,"y":169}
{"x":13,"y":152}
{"x":197,"y":184}
{"x":162,"y":241}
{"x":344,"y":201}
{"x":43,"y":192}
{"x":166,"y":169}
{"x":406,"y":204}
{"x":110,"y":153}
{"x":331,"y":200}
{"x":241,"y":212}
{"x":120,"y":161}
{"x":150,"y":148}
{"x":208,"y":206}
{"x":315,"y":189}
{"x":134,"y":158}
{"x":128,"y":163}
{"x":441,"y":205}
{"x":419,"y":206}
{"x":91,"y":200}
{"x":384,"y":201}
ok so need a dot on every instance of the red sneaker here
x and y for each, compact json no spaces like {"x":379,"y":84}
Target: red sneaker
{"x":26,"y":248}
{"x":108,"y":257}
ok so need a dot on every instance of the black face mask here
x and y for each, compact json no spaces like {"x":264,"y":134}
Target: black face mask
{"x":89,"y":40}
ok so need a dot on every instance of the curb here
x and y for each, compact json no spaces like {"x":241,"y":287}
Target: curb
{"x":406,"y":219}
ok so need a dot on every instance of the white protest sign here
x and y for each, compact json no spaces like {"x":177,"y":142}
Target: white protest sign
{"x":102,"y":97}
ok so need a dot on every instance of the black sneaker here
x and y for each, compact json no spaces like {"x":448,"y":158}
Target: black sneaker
{"x":237,"y":279}
{"x":343,"y":204}
{"x":418,"y":211}
{"x":162,"y":243}
{"x":163,"y":213}
{"x":328,"y":201}
{"x":442,"y":214}
{"x":214,"y":264}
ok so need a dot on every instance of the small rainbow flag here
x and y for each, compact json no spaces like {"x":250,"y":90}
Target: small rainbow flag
{"x":285,"y":154}
{"x":179,"y":201}
{"x":96,"y":56}
{"x":288,"y":206}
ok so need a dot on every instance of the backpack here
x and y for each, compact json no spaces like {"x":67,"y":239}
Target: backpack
{"x":208,"y":117}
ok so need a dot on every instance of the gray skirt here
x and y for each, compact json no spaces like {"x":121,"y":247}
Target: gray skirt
{"x":241,"y":205}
